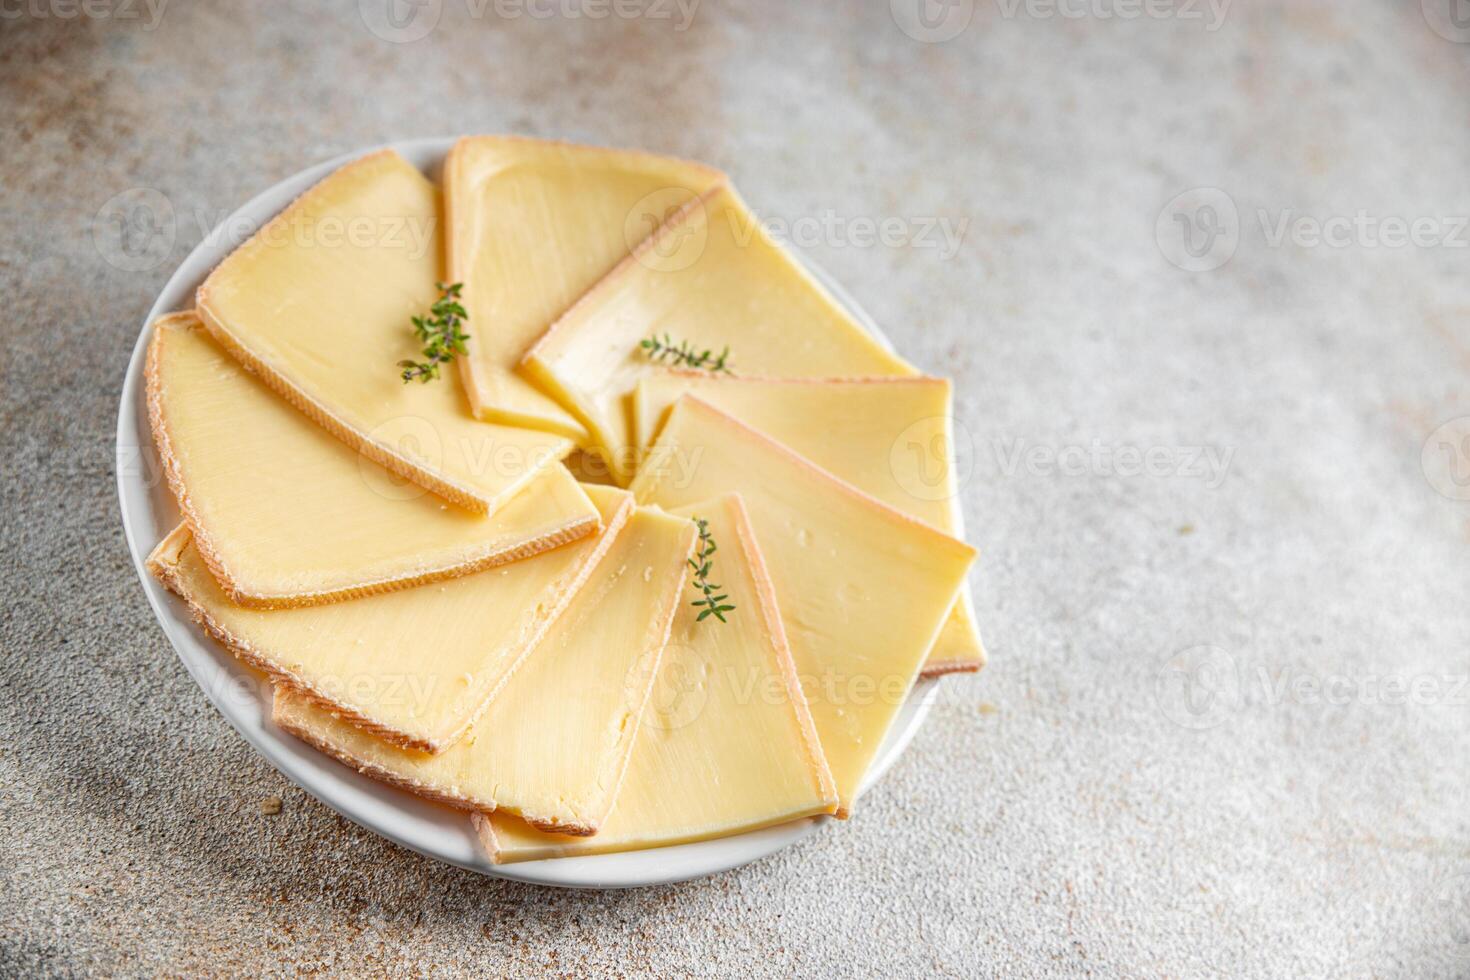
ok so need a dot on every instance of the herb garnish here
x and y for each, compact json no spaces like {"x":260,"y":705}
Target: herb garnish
{"x":441,"y":334}
{"x":683,"y":353}
{"x":701,"y":564}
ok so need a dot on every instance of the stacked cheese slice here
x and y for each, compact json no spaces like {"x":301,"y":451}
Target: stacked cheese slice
{"x":715,"y":639}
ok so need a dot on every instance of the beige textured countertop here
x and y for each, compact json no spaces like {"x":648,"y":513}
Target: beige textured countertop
{"x":1226,"y":553}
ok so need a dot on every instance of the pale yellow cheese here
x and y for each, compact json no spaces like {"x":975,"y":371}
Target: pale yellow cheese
{"x":863,"y":589}
{"x":532,"y":225}
{"x":711,"y":277}
{"x":553,"y":744}
{"x":890,"y":437}
{"x":727,"y":743}
{"x":319,"y":304}
{"x":286,"y":515}
{"x":416,"y":666}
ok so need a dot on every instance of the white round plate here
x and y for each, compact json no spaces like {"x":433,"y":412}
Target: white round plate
{"x":149,"y":512}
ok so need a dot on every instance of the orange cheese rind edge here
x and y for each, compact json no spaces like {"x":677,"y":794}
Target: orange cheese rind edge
{"x":382,"y":455}
{"x":369,"y":769}
{"x":659,"y":633}
{"x":452,"y":164}
{"x":963,"y":549}
{"x":219,"y":568}
{"x":161,"y":562}
{"x":785,"y":662}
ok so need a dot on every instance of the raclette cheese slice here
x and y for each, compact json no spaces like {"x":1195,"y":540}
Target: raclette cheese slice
{"x":863,"y":589}
{"x":285,"y":515}
{"x":712,"y":277}
{"x":319,"y":303}
{"x":727,"y":743}
{"x":889,"y":436}
{"x":532,"y":225}
{"x":416,"y":666}
{"x":553,"y":744}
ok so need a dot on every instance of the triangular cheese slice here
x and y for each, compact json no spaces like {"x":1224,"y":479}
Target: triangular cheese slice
{"x":285,"y":515}
{"x":319,"y":304}
{"x":727,"y":744}
{"x":533,"y":224}
{"x":416,"y":666}
{"x":890,"y":437}
{"x":710,"y":277}
{"x":553,"y":744}
{"x":863,"y":589}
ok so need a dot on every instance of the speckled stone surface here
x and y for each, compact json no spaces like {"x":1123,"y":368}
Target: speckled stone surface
{"x":1226,"y":569}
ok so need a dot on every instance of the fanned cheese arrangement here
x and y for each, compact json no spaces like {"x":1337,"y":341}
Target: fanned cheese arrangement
{"x":398,"y":423}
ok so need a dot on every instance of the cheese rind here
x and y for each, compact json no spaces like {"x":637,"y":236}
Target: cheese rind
{"x":532,"y":225}
{"x":863,"y":589}
{"x":234,"y":453}
{"x":891,"y":437}
{"x":319,"y":302}
{"x":415,"y":666}
{"x":553,"y":744}
{"x":712,"y":277}
{"x":727,"y":745}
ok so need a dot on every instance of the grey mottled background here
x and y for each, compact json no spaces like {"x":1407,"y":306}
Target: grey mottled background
{"x":1225,"y":727}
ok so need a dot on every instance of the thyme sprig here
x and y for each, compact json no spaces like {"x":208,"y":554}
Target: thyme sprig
{"x":685,"y":354}
{"x":712,"y":604}
{"x":440,"y":333}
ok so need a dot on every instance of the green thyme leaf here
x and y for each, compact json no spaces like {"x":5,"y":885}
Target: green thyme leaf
{"x":711,"y":601}
{"x":440,"y":333}
{"x":684,"y":354}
